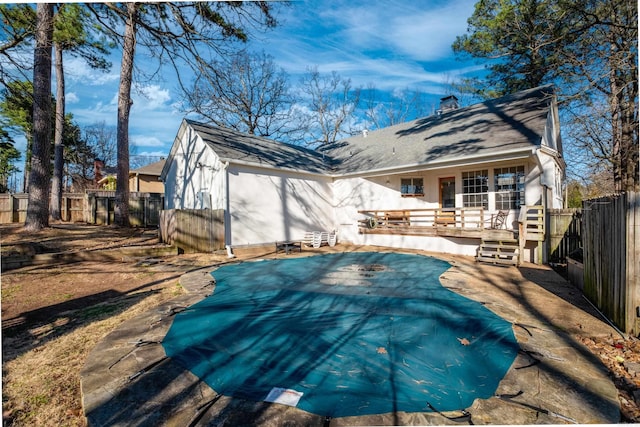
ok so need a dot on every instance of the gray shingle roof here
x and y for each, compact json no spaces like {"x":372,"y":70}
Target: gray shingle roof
{"x":241,"y":147}
{"x":150,"y":169}
{"x":513,"y":122}
{"x":509,"y":124}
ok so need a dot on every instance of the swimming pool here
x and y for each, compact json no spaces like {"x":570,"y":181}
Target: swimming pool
{"x":343,"y":334}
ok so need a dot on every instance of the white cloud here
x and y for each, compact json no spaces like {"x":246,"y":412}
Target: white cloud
{"x":152,"y":154}
{"x":427,"y":34}
{"x":146,"y":141}
{"x":390,"y":44}
{"x":71,"y":98}
{"x":422,"y":30}
{"x":87,"y":114}
{"x":151,"y":97}
{"x":77,"y":70}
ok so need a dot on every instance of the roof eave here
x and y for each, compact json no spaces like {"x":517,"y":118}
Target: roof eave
{"x":233,"y":161}
{"x":521,"y":153}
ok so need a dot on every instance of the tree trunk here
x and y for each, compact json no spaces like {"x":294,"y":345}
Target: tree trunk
{"x":58,"y":153}
{"x":39,"y":185}
{"x":121,"y":207}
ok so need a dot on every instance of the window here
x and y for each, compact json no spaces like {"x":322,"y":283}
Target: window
{"x":475,"y":189}
{"x":412,"y":187}
{"x":509,"y":187}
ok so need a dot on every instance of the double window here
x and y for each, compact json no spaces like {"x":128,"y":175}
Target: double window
{"x":475,"y":189}
{"x":412,"y":187}
{"x":509,"y":187}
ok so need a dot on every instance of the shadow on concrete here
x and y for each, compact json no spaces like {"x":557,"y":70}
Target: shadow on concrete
{"x":555,"y":379}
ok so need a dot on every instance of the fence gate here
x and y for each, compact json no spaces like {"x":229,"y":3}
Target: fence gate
{"x":565,"y":233}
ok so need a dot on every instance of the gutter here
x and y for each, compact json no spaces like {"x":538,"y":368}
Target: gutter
{"x":227,"y":161}
{"x":415,"y":167}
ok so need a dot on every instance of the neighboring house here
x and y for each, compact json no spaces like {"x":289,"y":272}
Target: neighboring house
{"x":144,"y":180}
{"x":147,"y":178}
{"x":434,"y":183}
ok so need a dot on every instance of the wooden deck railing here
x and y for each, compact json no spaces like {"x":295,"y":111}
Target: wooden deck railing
{"x":465,"y":218}
{"x":458,"y":222}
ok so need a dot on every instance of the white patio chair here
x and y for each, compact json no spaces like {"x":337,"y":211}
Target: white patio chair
{"x":317,"y":239}
{"x":333,"y":238}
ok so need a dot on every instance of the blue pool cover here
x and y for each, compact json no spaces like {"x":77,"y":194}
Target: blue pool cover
{"x":347,"y":334}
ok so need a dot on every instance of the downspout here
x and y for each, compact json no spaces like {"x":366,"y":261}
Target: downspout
{"x":227,"y":214}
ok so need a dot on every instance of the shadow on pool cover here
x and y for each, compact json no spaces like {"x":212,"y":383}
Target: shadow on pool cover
{"x":346,"y":334}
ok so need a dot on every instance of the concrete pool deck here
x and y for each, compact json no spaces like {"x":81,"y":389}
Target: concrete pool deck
{"x":128,"y":380}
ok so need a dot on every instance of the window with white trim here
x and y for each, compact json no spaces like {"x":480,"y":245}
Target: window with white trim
{"x":411,"y":187}
{"x":509,"y":187}
{"x":475,"y":189}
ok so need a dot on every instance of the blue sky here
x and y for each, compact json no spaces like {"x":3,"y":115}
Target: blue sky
{"x":394,"y":45}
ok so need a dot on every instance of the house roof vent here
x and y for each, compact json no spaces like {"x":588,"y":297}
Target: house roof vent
{"x":448,"y":103}
{"x":365,"y":133}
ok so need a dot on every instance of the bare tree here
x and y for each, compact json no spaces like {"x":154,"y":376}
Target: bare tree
{"x":39,"y":186}
{"x":400,"y":107}
{"x":330,"y":103}
{"x":246,"y":92}
{"x":102,"y":140}
{"x":178,"y":34}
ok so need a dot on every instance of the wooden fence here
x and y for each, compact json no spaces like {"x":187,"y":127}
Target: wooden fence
{"x":564,"y":233}
{"x":611,"y":245}
{"x":94,"y":207}
{"x":193,"y":230}
{"x":13,"y":207}
{"x":144,"y":208}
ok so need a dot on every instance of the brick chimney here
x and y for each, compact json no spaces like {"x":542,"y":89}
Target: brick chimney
{"x":448,"y":103}
{"x":98,"y":166}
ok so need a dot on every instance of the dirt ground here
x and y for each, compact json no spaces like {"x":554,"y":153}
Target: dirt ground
{"x":54,"y":314}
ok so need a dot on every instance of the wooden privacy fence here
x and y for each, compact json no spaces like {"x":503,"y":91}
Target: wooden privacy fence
{"x":611,"y":245}
{"x":144,"y":208}
{"x":93,"y":207}
{"x":13,"y":207}
{"x":564,"y":232}
{"x":193,"y":230}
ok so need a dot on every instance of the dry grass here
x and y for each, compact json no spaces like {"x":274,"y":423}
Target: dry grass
{"x":41,"y":387}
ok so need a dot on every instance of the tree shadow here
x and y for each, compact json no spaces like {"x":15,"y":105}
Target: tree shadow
{"x":155,"y":389}
{"x":562,"y":289}
{"x":544,"y":296}
{"x":37,"y":327}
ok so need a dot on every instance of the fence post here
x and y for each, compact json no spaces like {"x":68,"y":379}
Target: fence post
{"x":633,"y":259}
{"x":14,"y":208}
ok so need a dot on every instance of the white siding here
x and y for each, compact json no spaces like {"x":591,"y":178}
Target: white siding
{"x":383,"y":193}
{"x":195,"y":174}
{"x":267,"y":206}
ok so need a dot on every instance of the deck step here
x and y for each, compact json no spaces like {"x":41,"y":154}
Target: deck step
{"x":493,"y":260}
{"x":503,"y":251}
{"x":499,"y":246}
{"x":498,"y":251}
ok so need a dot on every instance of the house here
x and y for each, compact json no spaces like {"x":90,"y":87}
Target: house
{"x":437,"y":183}
{"x":145,"y":179}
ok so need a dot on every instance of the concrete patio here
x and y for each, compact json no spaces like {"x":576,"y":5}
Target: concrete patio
{"x":128,"y":380}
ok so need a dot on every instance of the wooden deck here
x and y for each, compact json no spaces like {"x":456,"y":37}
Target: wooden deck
{"x":471,"y":223}
{"x":443,"y":231}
